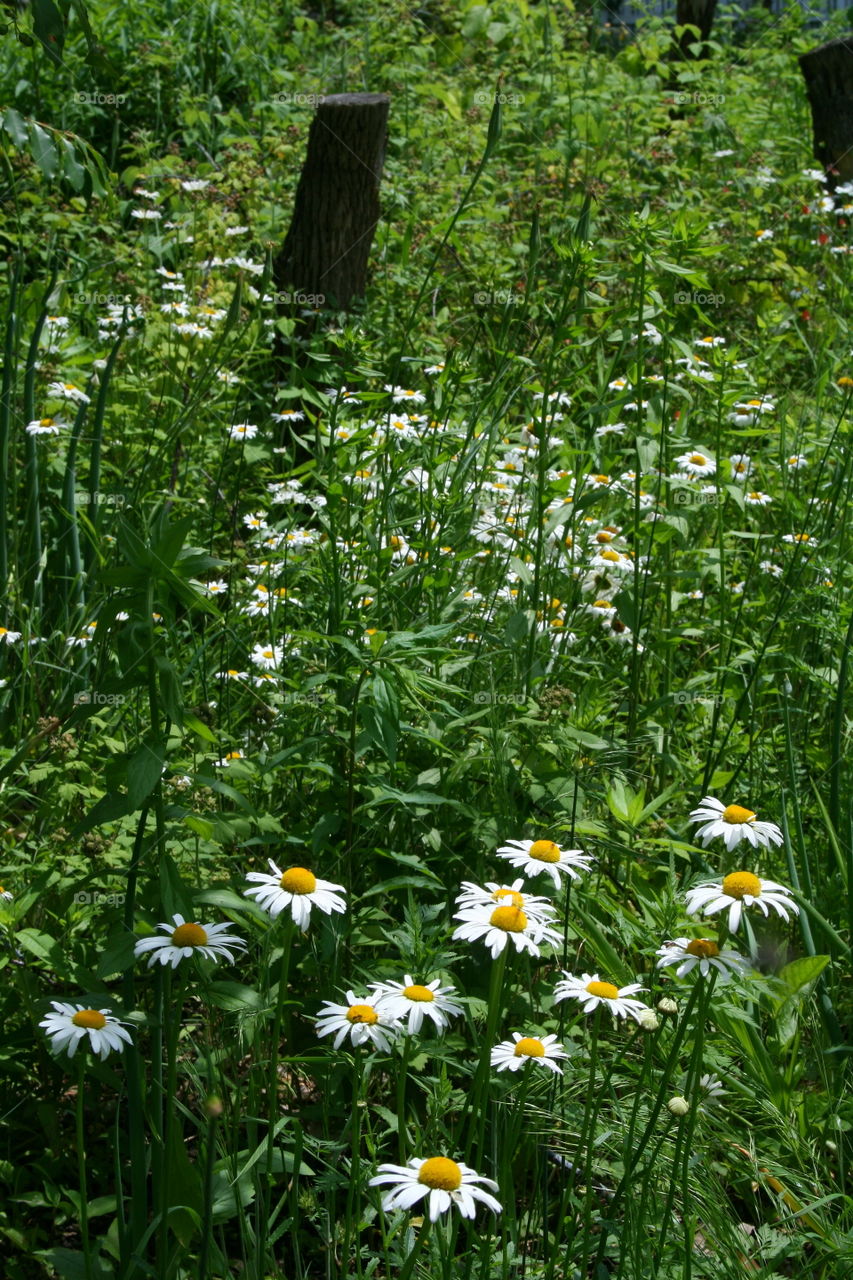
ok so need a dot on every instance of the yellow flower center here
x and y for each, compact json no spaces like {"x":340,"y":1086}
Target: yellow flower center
{"x":510,"y":919}
{"x":441,"y":1173}
{"x":610,"y":554}
{"x":698,"y":459}
{"x":189,"y":935}
{"x":529,"y":1047}
{"x":515,"y":898}
{"x":603,"y":536}
{"x":362,"y":1013}
{"x":756,"y":497}
{"x":735,"y":814}
{"x":602,"y":604}
{"x":422,"y":995}
{"x":602,"y":479}
{"x":298,"y":880}
{"x":605,"y":990}
{"x":545,"y":851}
{"x":91,"y":1019}
{"x":46,"y":422}
{"x":742,"y":883}
{"x":703,"y":948}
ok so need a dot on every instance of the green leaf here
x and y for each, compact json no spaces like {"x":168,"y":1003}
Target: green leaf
{"x":799,"y":973}
{"x":43,"y":151}
{"x":234,"y":997}
{"x":117,"y":956}
{"x":49,"y":27}
{"x":144,"y":770}
{"x":71,"y":1265}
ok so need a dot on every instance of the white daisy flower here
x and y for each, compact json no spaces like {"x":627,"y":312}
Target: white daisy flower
{"x":492,"y":895}
{"x":67,"y":391}
{"x":687,"y":953}
{"x":6,"y":895}
{"x":496,"y":926}
{"x":696,"y":464}
{"x":183,"y":940}
{"x":9,"y":637}
{"x":535,"y":857}
{"x":243,"y":431}
{"x":740,"y":464}
{"x":512,"y":1055}
{"x":147,"y":215}
{"x":71,"y":1023}
{"x":400,"y":394}
{"x":736,"y":891}
{"x":45,"y":427}
{"x":711,"y":1087}
{"x":228,"y":759}
{"x":757,"y":499}
{"x":296,"y":888}
{"x":733,"y":824}
{"x":267,"y":657}
{"x":796,"y":461}
{"x":288,"y":415}
{"x":409,"y":999}
{"x":591,"y":992}
{"x":362,"y":1020}
{"x":799,"y":539}
{"x":443,"y":1180}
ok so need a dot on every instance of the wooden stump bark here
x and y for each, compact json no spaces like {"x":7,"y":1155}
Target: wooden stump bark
{"x":695,"y":13}
{"x":324,"y":255}
{"x":828,"y":73}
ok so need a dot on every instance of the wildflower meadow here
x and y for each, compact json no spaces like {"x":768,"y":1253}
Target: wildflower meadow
{"x":426,"y":832}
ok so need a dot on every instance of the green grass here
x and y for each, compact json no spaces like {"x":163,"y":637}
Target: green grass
{"x":380,"y":647}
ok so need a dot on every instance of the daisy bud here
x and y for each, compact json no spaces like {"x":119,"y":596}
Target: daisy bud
{"x":648,"y":1020}
{"x":678,"y":1106}
{"x":667,"y":1006}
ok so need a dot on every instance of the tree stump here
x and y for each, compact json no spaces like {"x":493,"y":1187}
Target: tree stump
{"x":828,"y":73}
{"x":323,"y":261}
{"x":694,"y":13}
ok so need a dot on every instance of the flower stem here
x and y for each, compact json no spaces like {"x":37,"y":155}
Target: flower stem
{"x":265,"y":1169}
{"x":81,"y":1170}
{"x":479,"y":1093}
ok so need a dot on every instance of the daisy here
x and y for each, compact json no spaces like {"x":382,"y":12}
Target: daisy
{"x":45,"y":427}
{"x":512,"y":1055}
{"x":796,"y":461}
{"x":71,"y":1023}
{"x":591,"y":992}
{"x":228,"y":759}
{"x":757,"y":499}
{"x":5,"y":894}
{"x":687,"y":953}
{"x":696,"y":464}
{"x":296,"y":888}
{"x":734,"y":824}
{"x":267,"y":656}
{"x":710,"y":342}
{"x":363,"y":1021}
{"x":9,"y":637}
{"x":535,"y":857}
{"x":288,"y":415}
{"x":443,"y":1180}
{"x":496,"y":926}
{"x":67,"y":391}
{"x":474,"y":896}
{"x":798,"y":539}
{"x":399,"y":394}
{"x":740,"y":464}
{"x":183,"y":940}
{"x":243,"y":431}
{"x":408,"y":999}
{"x":147,"y":215}
{"x":737,"y":890}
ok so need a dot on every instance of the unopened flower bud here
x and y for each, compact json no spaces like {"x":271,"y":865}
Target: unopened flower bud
{"x":648,"y":1020}
{"x":667,"y":1006}
{"x":678,"y":1106}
